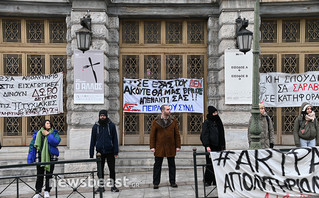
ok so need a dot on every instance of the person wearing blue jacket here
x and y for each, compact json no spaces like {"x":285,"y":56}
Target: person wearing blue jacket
{"x":44,"y":148}
{"x":104,"y":138}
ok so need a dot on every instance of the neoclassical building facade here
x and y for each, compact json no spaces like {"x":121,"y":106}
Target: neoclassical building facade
{"x":156,"y":39}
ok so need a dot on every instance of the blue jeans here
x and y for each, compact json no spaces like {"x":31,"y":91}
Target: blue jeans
{"x":305,"y":143}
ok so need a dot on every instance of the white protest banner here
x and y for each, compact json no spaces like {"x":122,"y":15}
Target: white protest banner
{"x":31,"y":95}
{"x":289,"y":90}
{"x":147,"y":95}
{"x":238,"y":77}
{"x":89,"y":77}
{"x":267,"y":173}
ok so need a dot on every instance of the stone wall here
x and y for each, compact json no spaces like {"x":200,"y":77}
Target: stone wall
{"x":234,"y":117}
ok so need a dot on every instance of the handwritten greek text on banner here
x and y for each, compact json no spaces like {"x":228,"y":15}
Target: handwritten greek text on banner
{"x":31,"y":95}
{"x":147,"y":95}
{"x":267,"y":173}
{"x":289,"y":90}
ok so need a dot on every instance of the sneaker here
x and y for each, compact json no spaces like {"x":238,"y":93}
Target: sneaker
{"x":36,"y":196}
{"x":46,"y":194}
{"x":114,"y":189}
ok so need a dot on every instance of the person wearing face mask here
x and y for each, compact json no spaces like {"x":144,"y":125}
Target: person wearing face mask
{"x":267,"y":135}
{"x":213,"y":139}
{"x":104,"y":138}
{"x":306,"y":129}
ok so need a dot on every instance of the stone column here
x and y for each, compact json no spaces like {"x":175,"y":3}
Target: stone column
{"x":234,"y":117}
{"x":80,"y":118}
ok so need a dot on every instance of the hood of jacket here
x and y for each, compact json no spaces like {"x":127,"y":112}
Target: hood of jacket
{"x":304,"y":106}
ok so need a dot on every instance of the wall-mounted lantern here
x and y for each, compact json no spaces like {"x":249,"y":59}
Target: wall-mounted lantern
{"x":84,"y":35}
{"x":244,"y":36}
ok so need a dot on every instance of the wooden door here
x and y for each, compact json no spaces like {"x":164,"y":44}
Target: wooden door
{"x":31,"y":47}
{"x":158,"y":49}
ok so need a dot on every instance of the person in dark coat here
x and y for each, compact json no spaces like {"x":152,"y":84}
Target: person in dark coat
{"x":213,"y":139}
{"x":165,"y":140}
{"x":104,"y":138}
{"x":306,"y":128}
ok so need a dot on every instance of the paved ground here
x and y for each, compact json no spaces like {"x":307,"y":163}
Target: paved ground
{"x":138,"y":185}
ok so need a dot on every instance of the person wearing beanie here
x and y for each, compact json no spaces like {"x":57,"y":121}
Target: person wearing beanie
{"x":104,"y":139}
{"x":213,"y":139}
{"x":306,"y":129}
{"x":267,"y":136}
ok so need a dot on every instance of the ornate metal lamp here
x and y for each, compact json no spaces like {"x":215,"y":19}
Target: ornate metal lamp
{"x":244,"y":36}
{"x":84,"y":35}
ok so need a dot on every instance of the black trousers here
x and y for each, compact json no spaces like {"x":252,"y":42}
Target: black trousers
{"x":158,"y":168}
{"x":40,"y":177}
{"x":110,"y":160}
{"x":209,"y":176}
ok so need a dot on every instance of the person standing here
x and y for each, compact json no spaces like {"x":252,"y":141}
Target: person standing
{"x":306,"y":129}
{"x":165,"y":141}
{"x":104,"y":138}
{"x":45,"y":142}
{"x":267,"y":136}
{"x":213,"y":139}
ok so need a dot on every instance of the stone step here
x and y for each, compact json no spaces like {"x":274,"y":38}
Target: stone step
{"x":130,"y":169}
{"x":21,"y":153}
{"x":131,"y":159}
{"x":25,"y":171}
{"x":150,"y":162}
{"x":188,"y":148}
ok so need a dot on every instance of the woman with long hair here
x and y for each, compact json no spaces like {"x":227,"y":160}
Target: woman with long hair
{"x":45,"y":142}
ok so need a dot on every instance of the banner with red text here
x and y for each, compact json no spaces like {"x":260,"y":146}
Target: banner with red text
{"x":31,"y":95}
{"x":267,"y":173}
{"x":147,"y":95}
{"x":289,"y":90}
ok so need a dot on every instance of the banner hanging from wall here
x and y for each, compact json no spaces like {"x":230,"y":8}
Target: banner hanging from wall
{"x":267,"y":173}
{"x":89,"y":77}
{"x":147,"y":95}
{"x":31,"y":95}
{"x":238,"y":77}
{"x":289,"y":90}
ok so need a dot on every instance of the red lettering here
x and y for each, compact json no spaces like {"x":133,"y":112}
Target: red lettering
{"x":294,"y":88}
{"x":129,"y":107}
{"x":196,"y":83}
{"x":267,"y":195}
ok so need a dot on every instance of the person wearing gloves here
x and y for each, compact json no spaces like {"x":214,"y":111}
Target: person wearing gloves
{"x":306,"y":130}
{"x":267,"y":135}
{"x":104,"y":138}
{"x":213,"y":139}
{"x":43,"y":147}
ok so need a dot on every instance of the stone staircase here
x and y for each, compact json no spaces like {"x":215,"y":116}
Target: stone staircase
{"x":131,"y":159}
{"x":18,"y":155}
{"x":140,"y":158}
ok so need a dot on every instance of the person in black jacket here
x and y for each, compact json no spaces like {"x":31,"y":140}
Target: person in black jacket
{"x":104,"y":138}
{"x":213,"y":139}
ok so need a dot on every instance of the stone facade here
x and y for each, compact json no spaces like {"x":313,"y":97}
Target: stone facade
{"x":106,"y":15}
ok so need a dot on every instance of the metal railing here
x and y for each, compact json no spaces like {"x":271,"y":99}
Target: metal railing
{"x":19,"y":179}
{"x":195,"y":154}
